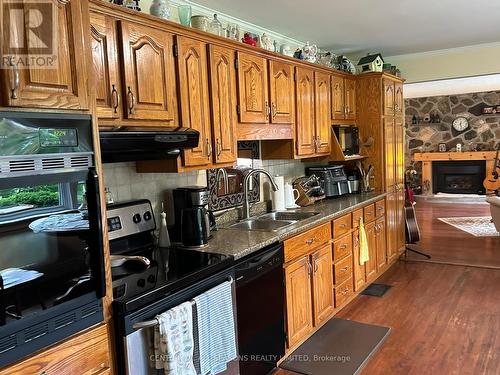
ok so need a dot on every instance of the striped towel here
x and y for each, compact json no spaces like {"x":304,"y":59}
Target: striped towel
{"x":173,"y":341}
{"x":216,"y":329}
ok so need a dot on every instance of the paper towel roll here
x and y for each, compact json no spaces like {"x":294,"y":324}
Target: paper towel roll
{"x":278,"y":196}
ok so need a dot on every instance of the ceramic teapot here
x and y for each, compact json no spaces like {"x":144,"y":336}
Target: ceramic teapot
{"x":266,"y":42}
{"x":310,"y":52}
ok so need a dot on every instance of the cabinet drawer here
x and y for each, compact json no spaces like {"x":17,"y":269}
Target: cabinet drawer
{"x":342,"y":225}
{"x":343,"y":270}
{"x":307,"y":241}
{"x":342,"y":248}
{"x":356,"y":215}
{"x":343,"y":292}
{"x":86,"y":353}
{"x":369,"y":212}
{"x":380,"y":208}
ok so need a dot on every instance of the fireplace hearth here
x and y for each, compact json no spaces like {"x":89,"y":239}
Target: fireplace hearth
{"x":458,"y":177}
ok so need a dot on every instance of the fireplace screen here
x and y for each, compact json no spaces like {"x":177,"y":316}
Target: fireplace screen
{"x":459,"y":177}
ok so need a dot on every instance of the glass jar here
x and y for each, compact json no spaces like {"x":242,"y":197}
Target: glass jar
{"x":216,"y":26}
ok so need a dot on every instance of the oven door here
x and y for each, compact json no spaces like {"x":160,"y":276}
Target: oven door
{"x":51,"y":259}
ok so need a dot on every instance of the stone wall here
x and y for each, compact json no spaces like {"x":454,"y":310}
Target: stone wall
{"x":483,"y":132}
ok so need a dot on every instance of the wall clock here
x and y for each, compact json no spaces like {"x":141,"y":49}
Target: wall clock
{"x":460,"y":124}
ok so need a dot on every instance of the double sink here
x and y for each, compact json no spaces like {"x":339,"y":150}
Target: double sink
{"x":273,"y":221}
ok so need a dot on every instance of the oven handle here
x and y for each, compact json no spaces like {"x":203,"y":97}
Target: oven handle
{"x":95,"y":226}
{"x":154,"y":322}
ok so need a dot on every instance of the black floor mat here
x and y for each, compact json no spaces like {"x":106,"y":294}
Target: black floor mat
{"x":340,"y":347}
{"x":376,"y":290}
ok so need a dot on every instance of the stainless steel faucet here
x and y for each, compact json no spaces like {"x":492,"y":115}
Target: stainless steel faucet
{"x":246,"y":181}
{"x":223,"y":172}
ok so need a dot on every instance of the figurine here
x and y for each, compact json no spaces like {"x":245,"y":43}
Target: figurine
{"x":266,"y":42}
{"x":247,"y":39}
{"x":298,"y":54}
{"x":310,"y":52}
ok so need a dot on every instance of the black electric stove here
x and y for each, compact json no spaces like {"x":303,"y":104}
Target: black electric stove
{"x":131,"y":228}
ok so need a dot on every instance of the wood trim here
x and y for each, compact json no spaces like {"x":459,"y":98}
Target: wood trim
{"x":434,"y":156}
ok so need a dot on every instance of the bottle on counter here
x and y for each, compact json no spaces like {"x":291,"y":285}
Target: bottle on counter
{"x":163,"y":238}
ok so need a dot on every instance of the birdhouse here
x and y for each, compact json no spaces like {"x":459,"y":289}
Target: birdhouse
{"x":371,"y":63}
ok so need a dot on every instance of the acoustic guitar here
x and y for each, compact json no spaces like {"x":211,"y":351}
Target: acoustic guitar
{"x":492,"y":181}
{"x":412,"y":231}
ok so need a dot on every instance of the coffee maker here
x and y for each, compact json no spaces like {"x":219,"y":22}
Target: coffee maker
{"x":192,"y":217}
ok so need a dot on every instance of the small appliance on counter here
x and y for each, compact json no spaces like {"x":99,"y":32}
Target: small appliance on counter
{"x":193,"y":220}
{"x":332,"y":179}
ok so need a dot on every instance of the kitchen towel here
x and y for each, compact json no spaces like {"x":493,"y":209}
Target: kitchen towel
{"x":364,"y":253}
{"x":174,"y":341}
{"x":216,"y":329}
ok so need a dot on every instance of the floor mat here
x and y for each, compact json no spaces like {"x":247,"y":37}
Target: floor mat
{"x":376,"y":290}
{"x":479,"y":226}
{"x":340,"y":347}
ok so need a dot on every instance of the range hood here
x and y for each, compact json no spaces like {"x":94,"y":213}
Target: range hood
{"x":120,"y":146}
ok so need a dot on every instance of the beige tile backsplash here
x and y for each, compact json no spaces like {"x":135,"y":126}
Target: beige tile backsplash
{"x":125,"y":183}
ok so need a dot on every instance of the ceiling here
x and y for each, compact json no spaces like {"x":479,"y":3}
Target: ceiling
{"x":392,"y":27}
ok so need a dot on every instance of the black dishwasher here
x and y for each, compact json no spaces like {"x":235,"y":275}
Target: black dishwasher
{"x":260,"y":310}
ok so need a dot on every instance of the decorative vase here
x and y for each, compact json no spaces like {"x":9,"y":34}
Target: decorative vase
{"x":184,"y":12}
{"x":310,"y":52}
{"x":200,"y":22}
{"x":160,"y":8}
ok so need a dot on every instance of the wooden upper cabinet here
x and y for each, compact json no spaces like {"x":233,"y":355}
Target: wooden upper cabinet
{"x":298,"y":300}
{"x":322,"y":284}
{"x":305,"y":132}
{"x":149,"y":73}
{"x":338,"y":98}
{"x":63,"y":85}
{"x":388,"y":87}
{"x":350,"y":98}
{"x":389,"y":153}
{"x":252,"y":88}
{"x":398,"y":99}
{"x":193,"y":96}
{"x":105,"y":66}
{"x":282,"y":93}
{"x":322,"y":114}
{"x":223,"y":100}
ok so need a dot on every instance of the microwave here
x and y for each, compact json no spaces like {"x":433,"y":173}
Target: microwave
{"x":348,"y":137}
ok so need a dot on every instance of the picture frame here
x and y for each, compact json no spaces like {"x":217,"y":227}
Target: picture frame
{"x":442,"y":147}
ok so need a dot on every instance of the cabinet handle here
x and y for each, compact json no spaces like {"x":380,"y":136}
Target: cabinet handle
{"x":343,"y":246}
{"x":131,"y":101}
{"x":380,"y":208}
{"x":267,"y":110}
{"x":316,"y":267}
{"x":343,"y":225}
{"x":344,"y":269}
{"x":310,"y":241}
{"x":218,"y":145}
{"x":15,"y":81}
{"x":274,"y":110}
{"x":115,"y":98}
{"x":310,"y":268}
{"x":396,"y":107}
{"x":356,"y":241}
{"x":209,"y":149}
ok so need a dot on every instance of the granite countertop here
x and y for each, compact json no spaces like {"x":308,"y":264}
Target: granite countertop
{"x":240,"y":242}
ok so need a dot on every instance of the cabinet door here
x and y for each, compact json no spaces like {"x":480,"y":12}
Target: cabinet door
{"x":389,"y":154}
{"x":223,"y":90}
{"x":322,"y":114}
{"x":193,"y":94}
{"x":371,"y":265}
{"x":60,"y":81}
{"x":350,"y":99}
{"x":298,"y":299}
{"x":149,"y":73}
{"x":282,"y":93}
{"x":252,"y":88}
{"x":380,"y":231}
{"x":338,"y":98}
{"x":304,"y":128}
{"x":359,"y":270}
{"x":398,"y":99}
{"x":391,"y":226}
{"x":399,"y":145}
{"x":105,"y":66}
{"x":388,"y":87}
{"x":322,"y":284}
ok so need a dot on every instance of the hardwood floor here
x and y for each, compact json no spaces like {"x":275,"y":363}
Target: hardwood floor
{"x":444,"y":320}
{"x":448,"y":244}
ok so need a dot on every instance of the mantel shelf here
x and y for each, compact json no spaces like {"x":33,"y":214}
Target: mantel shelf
{"x":470,"y":155}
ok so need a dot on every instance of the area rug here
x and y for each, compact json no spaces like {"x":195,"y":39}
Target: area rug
{"x":376,"y":290}
{"x":479,"y":226}
{"x":340,"y":347}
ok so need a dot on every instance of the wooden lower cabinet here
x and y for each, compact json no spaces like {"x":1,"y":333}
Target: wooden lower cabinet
{"x":298,"y":300}
{"x":391,"y":226}
{"x":371,"y":265}
{"x":380,"y":235}
{"x":322,"y":280}
{"x":84,"y":354}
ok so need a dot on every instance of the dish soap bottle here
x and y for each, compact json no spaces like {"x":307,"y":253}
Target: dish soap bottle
{"x":164,"y":239}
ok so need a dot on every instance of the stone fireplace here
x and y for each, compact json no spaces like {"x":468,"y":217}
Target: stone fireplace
{"x":458,"y":177}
